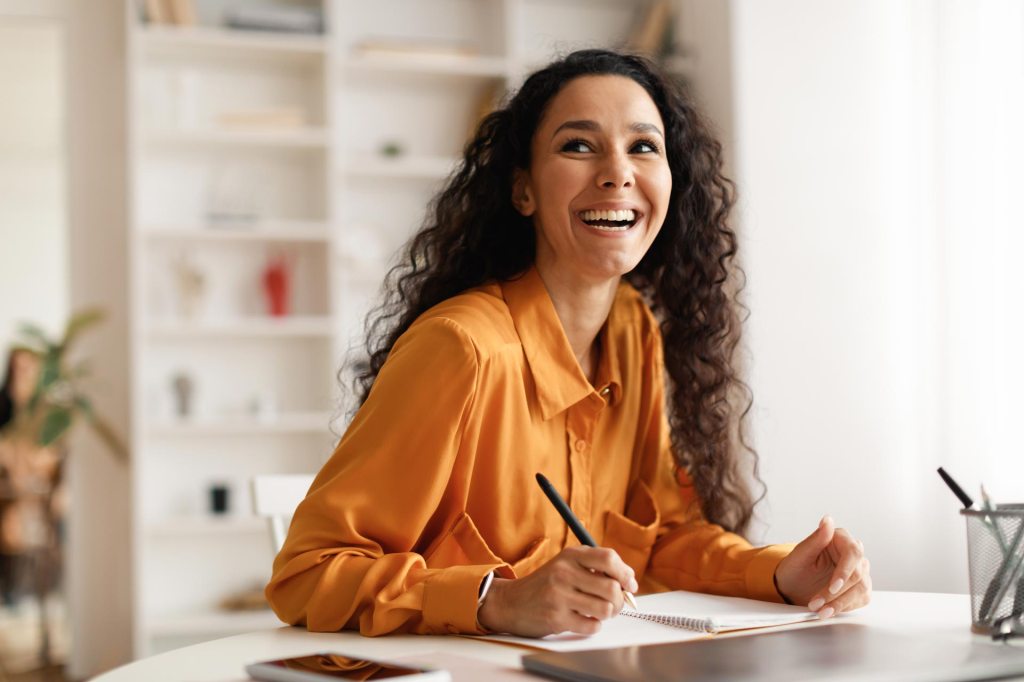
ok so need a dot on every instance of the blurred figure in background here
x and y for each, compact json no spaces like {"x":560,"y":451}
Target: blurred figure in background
{"x":30,"y":485}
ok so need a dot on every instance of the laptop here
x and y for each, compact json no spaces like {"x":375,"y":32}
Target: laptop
{"x":837,"y":653}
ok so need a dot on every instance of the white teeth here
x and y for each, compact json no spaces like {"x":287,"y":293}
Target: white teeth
{"x":627,"y":214}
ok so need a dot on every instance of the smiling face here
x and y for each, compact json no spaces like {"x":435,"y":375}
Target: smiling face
{"x":599,"y":182}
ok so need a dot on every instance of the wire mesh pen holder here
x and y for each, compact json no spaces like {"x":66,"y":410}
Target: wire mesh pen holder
{"x":995,"y":552}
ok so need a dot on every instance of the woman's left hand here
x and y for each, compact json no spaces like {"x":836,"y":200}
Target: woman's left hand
{"x":827,"y":571}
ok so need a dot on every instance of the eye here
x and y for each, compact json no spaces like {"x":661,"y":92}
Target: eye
{"x":578,"y":145}
{"x":645,"y":146}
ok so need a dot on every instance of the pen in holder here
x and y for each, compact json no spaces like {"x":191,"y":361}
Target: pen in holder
{"x":995,"y":552}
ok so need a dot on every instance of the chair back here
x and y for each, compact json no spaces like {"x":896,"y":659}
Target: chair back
{"x":275,"y":497}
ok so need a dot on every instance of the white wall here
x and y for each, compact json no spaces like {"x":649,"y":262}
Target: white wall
{"x":857,"y":273}
{"x":33,"y":220}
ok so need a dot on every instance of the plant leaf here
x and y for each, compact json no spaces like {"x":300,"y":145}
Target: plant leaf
{"x":55,"y":425}
{"x":80,"y":321}
{"x":49,"y":373}
{"x":35,"y":337}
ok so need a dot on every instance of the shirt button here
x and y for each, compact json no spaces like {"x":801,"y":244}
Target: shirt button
{"x":606,"y":390}
{"x":581,"y":445}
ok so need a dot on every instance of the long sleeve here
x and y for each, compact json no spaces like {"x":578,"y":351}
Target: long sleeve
{"x":690,"y":553}
{"x":354,"y":556}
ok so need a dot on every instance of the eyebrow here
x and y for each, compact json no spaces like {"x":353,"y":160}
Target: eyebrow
{"x":593,"y":126}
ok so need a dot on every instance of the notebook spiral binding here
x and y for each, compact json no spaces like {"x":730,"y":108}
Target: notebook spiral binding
{"x":695,"y":624}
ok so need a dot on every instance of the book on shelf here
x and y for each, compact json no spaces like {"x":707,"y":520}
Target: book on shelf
{"x":652,"y":31}
{"x":156,"y":12}
{"x":279,"y":118}
{"x":171,"y":12}
{"x":275,"y":18}
{"x":418,"y":47}
{"x":183,"y":12}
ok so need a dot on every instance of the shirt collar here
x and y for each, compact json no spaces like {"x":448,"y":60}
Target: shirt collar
{"x":557,"y":375}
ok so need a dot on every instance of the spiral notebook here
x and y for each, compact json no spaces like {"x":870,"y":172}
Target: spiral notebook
{"x":671,"y":617}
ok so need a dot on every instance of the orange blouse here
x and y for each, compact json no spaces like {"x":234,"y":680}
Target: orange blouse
{"x":432,"y":486}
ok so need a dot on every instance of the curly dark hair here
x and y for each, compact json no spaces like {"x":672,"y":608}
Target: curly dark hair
{"x":472,"y":234}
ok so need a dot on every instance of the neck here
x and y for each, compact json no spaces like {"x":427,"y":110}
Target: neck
{"x":582,"y":307}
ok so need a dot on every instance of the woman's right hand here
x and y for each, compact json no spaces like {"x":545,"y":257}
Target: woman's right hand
{"x":573,"y":592}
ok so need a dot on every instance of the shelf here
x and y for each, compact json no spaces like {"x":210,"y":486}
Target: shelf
{"x":257,"y":232}
{"x":206,"y":42}
{"x":210,"y":623}
{"x":299,"y":138}
{"x":285,"y":423}
{"x":415,"y":167}
{"x":293,"y":326}
{"x":439,"y":65}
{"x":207,"y":525}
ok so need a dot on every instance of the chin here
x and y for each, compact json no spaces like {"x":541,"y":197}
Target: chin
{"x":612,"y":268}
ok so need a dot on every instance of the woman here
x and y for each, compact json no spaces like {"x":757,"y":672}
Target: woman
{"x":518,"y":339}
{"x":31,"y":494}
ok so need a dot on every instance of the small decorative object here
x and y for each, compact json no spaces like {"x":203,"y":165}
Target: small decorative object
{"x":392,"y":149}
{"x":277,"y":285}
{"x":219,"y":499}
{"x":191,"y":283}
{"x":183,"y":391}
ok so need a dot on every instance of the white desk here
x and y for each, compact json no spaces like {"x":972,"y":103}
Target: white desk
{"x":943,"y":617}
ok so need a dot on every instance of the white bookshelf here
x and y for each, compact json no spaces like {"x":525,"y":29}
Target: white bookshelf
{"x":332,"y":194}
{"x":227,"y":198}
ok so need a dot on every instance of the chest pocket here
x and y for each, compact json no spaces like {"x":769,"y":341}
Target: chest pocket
{"x":463,"y":545}
{"x":632,"y":534}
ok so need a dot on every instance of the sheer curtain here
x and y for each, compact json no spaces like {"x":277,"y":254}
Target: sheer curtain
{"x":879,"y":160}
{"x":980,"y":192}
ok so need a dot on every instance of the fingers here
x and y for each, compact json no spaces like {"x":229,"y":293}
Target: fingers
{"x":856,"y":596}
{"x":607,"y":561}
{"x":850,"y":554}
{"x":850,"y":582}
{"x":596,"y":596}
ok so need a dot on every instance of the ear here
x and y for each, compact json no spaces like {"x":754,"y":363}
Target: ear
{"x":522,"y":194}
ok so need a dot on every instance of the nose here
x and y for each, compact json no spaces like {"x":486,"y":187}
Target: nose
{"x":616,"y":172}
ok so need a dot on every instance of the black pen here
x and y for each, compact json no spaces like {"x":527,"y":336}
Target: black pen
{"x":957,"y":490}
{"x":575,"y":526}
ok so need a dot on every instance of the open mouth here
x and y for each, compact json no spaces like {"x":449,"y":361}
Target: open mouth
{"x":611,"y":221}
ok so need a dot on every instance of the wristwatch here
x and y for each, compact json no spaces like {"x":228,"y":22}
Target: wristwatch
{"x":484,"y":586}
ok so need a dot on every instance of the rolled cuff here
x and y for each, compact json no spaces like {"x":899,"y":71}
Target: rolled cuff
{"x":450,"y":598}
{"x":760,"y":573}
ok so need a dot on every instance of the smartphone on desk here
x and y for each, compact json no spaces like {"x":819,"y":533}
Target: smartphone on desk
{"x":325,"y":667}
